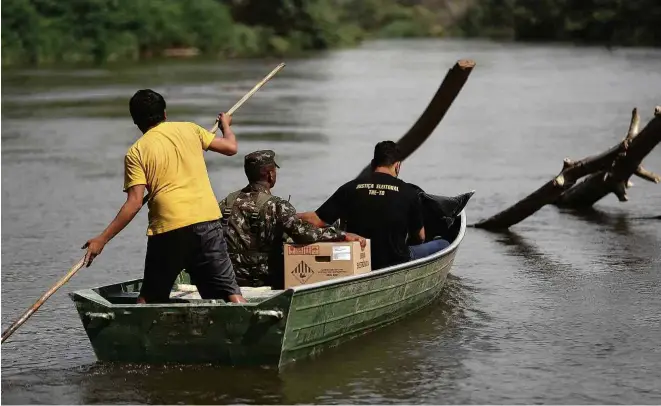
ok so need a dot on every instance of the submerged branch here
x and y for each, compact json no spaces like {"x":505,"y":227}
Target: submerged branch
{"x":550,"y":191}
{"x":614,"y":180}
{"x":647,"y":175}
{"x":609,"y":172}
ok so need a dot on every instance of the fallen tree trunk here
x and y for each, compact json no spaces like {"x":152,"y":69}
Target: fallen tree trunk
{"x":435,"y":111}
{"x":632,"y":148}
{"x":616,"y":179}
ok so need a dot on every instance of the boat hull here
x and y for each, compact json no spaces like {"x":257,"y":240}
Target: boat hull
{"x":193,"y":332}
{"x":327,"y":316}
{"x":274,"y":328}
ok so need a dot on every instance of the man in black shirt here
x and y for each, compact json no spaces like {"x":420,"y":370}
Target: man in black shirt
{"x":380,"y":207}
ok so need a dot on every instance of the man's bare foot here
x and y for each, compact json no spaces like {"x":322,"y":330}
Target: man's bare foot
{"x":237,"y":299}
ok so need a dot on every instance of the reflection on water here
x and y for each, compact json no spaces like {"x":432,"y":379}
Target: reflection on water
{"x":534,"y":259}
{"x":563,"y":309}
{"x":624,"y":244}
{"x":341,"y":374}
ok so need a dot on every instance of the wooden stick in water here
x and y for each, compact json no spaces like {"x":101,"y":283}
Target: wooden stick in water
{"x":42,"y":299}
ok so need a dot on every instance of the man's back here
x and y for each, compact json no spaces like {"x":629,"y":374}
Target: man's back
{"x":379,"y":207}
{"x":169,"y":159}
{"x":184,"y":220}
{"x":252,"y":232}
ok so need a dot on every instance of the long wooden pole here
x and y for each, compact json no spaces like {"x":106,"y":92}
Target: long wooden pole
{"x":15,"y":325}
{"x":238,"y":104}
{"x":249,"y":94}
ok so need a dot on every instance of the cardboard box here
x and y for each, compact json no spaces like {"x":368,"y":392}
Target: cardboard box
{"x":310,"y":263}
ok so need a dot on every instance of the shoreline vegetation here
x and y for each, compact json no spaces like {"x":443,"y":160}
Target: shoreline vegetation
{"x":47,"y":32}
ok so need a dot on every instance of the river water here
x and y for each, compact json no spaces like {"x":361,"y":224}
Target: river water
{"x":566,"y":308}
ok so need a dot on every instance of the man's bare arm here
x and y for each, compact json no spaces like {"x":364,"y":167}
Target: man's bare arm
{"x":126,"y":213}
{"x":226,"y":144}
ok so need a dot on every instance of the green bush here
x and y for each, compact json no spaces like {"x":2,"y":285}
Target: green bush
{"x":246,"y":41}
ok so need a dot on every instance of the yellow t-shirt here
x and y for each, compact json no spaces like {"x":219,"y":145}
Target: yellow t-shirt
{"x":169,"y":160}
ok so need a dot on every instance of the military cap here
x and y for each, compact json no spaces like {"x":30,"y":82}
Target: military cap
{"x":259,"y":159}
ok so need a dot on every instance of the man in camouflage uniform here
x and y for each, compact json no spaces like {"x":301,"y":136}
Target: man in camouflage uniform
{"x":256,"y":224}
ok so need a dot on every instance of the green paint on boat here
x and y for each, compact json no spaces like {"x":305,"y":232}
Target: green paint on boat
{"x":275,"y":327}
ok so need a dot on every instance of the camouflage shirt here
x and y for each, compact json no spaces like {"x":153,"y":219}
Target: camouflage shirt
{"x":255,"y":241}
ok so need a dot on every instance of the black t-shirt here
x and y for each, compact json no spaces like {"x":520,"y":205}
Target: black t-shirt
{"x":379,"y":207}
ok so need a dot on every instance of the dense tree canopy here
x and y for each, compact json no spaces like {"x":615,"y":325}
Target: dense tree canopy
{"x":47,"y":31}
{"x":611,"y":22}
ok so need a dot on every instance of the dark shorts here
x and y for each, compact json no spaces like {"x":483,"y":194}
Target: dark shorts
{"x":201,"y":250}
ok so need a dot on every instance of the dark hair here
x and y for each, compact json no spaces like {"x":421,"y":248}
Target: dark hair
{"x":386,"y":153}
{"x":147,"y":109}
{"x":257,"y":173}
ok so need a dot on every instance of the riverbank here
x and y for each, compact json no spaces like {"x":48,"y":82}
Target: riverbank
{"x":40,"y":32}
{"x":44,"y":32}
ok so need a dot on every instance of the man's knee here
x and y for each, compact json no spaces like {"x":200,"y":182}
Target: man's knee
{"x":440,"y":244}
{"x":428,"y":248}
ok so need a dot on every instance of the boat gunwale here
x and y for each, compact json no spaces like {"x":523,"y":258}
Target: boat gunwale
{"x":394,"y":268}
{"x":106,"y":303}
{"x":295,"y":289}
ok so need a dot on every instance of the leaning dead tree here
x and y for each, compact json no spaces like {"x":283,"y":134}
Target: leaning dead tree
{"x":439,"y":105}
{"x":608,"y":172}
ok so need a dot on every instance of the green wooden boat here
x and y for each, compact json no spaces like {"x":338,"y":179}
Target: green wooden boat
{"x":275,"y":327}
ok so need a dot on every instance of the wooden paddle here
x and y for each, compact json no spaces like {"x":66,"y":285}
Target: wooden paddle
{"x":15,"y":325}
{"x":238,"y":104}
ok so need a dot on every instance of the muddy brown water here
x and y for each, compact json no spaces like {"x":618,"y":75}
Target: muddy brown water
{"x":564,"y":309}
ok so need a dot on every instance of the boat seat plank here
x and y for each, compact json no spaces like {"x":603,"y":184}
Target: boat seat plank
{"x":187,"y":293}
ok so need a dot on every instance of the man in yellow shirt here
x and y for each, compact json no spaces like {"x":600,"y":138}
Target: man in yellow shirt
{"x":184,"y":229}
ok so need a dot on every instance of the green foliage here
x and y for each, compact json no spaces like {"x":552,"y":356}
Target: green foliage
{"x":247,"y":41}
{"x":20,"y":31}
{"x":391,"y":19}
{"x":415,"y":21}
{"x":623,"y":22}
{"x":303,"y":24}
{"x":51,"y":31}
